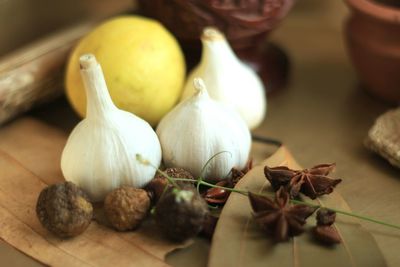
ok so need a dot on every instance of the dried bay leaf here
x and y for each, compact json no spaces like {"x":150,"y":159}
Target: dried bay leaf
{"x":238,"y":241}
{"x":30,"y":154}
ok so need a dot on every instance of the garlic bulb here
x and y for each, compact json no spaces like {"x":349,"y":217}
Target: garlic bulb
{"x":228,"y":79}
{"x":100,"y":154}
{"x":197,"y":129}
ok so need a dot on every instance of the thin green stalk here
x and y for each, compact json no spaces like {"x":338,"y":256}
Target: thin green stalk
{"x":294,"y":201}
{"x":365,"y":218}
{"x":170,"y":179}
{"x":202,"y":182}
{"x":226,"y":188}
{"x":203,"y":170}
{"x":148,"y":163}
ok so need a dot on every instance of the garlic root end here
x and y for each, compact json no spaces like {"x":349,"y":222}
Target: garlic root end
{"x":87,"y":61}
{"x":212,"y":34}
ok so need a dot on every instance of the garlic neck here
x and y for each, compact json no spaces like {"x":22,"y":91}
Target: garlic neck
{"x":217,"y":53}
{"x":98,"y":99}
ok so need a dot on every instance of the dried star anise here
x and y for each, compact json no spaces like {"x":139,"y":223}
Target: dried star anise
{"x":312,"y":182}
{"x":325,"y":216}
{"x":217,"y":195}
{"x":326,"y":234}
{"x":220,"y":196}
{"x":237,"y":174}
{"x":324,"y":231}
{"x":279,"y":218}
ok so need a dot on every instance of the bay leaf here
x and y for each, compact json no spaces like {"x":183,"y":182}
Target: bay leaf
{"x":238,"y":241}
{"x":30,"y":154}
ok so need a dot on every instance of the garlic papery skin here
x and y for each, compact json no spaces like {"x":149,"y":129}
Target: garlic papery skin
{"x":100,"y":154}
{"x":228,"y":79}
{"x":197,"y":129}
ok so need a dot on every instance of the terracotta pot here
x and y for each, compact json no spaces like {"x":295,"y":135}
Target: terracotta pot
{"x":245,"y":23}
{"x":373,"y":41}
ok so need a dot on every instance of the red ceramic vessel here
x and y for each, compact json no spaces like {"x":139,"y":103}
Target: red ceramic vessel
{"x":373,"y":41}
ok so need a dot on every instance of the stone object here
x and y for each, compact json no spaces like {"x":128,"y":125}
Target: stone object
{"x":384,"y":136}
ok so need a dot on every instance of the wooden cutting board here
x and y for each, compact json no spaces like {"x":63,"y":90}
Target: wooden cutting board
{"x":29,"y":160}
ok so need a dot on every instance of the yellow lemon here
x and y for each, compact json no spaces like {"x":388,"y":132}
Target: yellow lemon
{"x":142,"y":63}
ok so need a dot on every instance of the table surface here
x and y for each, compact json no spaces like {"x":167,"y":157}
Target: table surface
{"x":322,"y":116}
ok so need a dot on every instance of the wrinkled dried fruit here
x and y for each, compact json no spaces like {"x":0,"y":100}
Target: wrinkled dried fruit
{"x":325,"y":216}
{"x":326,"y":234}
{"x":158,"y":185}
{"x":156,"y":188}
{"x":64,"y":209}
{"x":180,"y":214}
{"x":126,"y":207}
{"x":279,"y":218}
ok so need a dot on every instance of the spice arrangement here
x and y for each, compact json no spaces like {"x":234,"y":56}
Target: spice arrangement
{"x":125,"y":153}
{"x":174,"y":164}
{"x":250,"y":245}
{"x":181,"y":212}
{"x":114,"y":157}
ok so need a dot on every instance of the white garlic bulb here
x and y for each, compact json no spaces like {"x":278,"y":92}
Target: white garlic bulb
{"x":228,"y":79}
{"x":100,"y":154}
{"x":197,"y":129}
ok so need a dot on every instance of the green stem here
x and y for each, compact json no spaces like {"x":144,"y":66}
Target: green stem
{"x":201,"y":182}
{"x":170,"y":179}
{"x":225,"y":188}
{"x":365,"y":218}
{"x":294,"y":201}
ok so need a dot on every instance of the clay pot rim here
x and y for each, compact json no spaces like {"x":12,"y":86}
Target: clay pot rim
{"x":376,"y":10}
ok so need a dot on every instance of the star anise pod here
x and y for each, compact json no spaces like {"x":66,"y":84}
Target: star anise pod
{"x":217,"y":195}
{"x":278,"y":217}
{"x":325,"y":216}
{"x":312,"y":182}
{"x":326,"y":234}
{"x":279,"y":176}
{"x":220,"y":196}
{"x":237,"y":174}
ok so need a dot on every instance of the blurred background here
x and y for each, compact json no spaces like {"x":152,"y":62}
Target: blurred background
{"x":24,"y":21}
